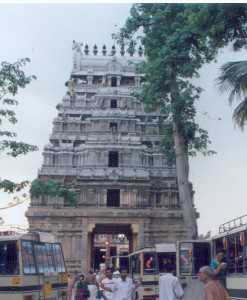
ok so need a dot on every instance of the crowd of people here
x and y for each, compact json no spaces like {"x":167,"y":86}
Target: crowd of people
{"x":213,"y":278}
{"x":104,"y":286}
{"x":101,"y":286}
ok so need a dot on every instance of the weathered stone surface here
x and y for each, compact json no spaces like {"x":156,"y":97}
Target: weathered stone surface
{"x":99,"y":115}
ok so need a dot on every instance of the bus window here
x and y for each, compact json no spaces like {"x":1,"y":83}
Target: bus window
{"x":135,"y":265}
{"x":39,"y":251}
{"x":219,"y":245}
{"x":149,"y":262}
{"x":9,"y":263}
{"x":231,"y":254}
{"x":58,"y":258}
{"x":27,"y":257}
{"x":164,"y":259}
{"x":236,"y":253}
{"x":49,"y":258}
{"x":245,"y":251}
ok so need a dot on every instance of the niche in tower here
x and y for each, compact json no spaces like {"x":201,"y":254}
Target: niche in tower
{"x":113,"y":127}
{"x":114,"y":81}
{"x":113,"y":103}
{"x":113,"y":159}
{"x":113,"y":198}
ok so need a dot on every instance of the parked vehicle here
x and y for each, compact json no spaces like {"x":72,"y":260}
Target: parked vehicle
{"x":31,"y":268}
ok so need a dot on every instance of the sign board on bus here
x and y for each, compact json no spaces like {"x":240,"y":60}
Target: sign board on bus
{"x":165,"y":247}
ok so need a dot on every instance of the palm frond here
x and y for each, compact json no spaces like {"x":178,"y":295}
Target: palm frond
{"x":233,"y":79}
{"x":240,"y":114}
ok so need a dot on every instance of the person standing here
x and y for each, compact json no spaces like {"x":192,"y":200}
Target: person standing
{"x":108,"y":285}
{"x":70,"y":287}
{"x":124,"y":287}
{"x":169,"y":285}
{"x":213,"y":290}
{"x":93,"y":285}
{"x":219,"y":267}
{"x":82,"y":292}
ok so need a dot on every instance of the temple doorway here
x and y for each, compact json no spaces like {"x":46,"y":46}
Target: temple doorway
{"x":110,"y":241}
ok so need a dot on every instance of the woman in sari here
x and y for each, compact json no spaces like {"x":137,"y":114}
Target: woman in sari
{"x":82,"y":291}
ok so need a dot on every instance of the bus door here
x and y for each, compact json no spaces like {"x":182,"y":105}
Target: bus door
{"x":191,"y":256}
{"x":150,"y":276}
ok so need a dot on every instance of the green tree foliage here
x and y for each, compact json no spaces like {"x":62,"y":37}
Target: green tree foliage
{"x":178,"y":40}
{"x":233,"y":79}
{"x":40,"y":188}
{"x":12,"y":78}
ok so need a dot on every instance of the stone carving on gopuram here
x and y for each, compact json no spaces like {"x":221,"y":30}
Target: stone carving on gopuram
{"x":106,"y":148}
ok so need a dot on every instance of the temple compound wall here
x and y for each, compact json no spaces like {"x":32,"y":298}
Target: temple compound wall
{"x":107,"y":148}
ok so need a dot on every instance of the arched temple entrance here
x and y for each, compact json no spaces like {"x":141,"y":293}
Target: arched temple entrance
{"x":104,"y":240}
{"x":110,"y":240}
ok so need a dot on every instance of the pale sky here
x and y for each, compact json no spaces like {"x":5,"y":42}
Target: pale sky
{"x":44,"y":32}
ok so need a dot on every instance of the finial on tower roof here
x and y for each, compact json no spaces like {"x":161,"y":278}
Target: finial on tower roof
{"x":122,"y":51}
{"x":95,"y":50}
{"x":77,"y":46}
{"x":113,"y":50}
{"x":104,"y":51}
{"x":77,"y":54}
{"x":140,"y":51}
{"x":86,"y":49}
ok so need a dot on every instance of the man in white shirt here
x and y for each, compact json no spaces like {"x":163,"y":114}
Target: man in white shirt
{"x":108,"y":285}
{"x":169,"y":285}
{"x":124,"y":287}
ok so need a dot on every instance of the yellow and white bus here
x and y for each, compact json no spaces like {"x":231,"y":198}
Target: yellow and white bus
{"x":232,"y":240}
{"x":31,"y":268}
{"x":146,"y":267}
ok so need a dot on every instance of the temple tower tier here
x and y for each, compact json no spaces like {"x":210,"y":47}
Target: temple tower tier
{"x":106,"y":148}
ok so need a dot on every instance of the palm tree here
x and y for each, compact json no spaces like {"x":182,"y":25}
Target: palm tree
{"x":233,"y":79}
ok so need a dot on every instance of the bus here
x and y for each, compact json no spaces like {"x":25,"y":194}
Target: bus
{"x":146,"y":267}
{"x":191,"y":256}
{"x":31,"y":267}
{"x":232,"y":240}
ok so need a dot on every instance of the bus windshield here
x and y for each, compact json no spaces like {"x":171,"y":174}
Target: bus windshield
{"x":135,"y":265}
{"x":9,"y":262}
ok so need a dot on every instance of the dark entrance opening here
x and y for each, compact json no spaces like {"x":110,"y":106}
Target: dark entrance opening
{"x":114,"y":81}
{"x":113,"y":103}
{"x":113,"y":127}
{"x":113,"y":198}
{"x":113,"y":159}
{"x":111,"y":243}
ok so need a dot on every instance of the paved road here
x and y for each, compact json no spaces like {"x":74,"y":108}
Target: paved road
{"x":194,"y":290}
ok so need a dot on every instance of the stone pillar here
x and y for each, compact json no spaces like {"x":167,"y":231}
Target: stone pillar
{"x":108,"y":80}
{"x":118,"y":80}
{"x":90,"y":227}
{"x":90,"y":80}
{"x":137,"y":81}
{"x":141,"y":235}
{"x":137,"y":236}
{"x":84,"y":246}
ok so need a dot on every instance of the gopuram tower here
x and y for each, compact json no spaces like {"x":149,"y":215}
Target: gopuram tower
{"x":106,"y":148}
